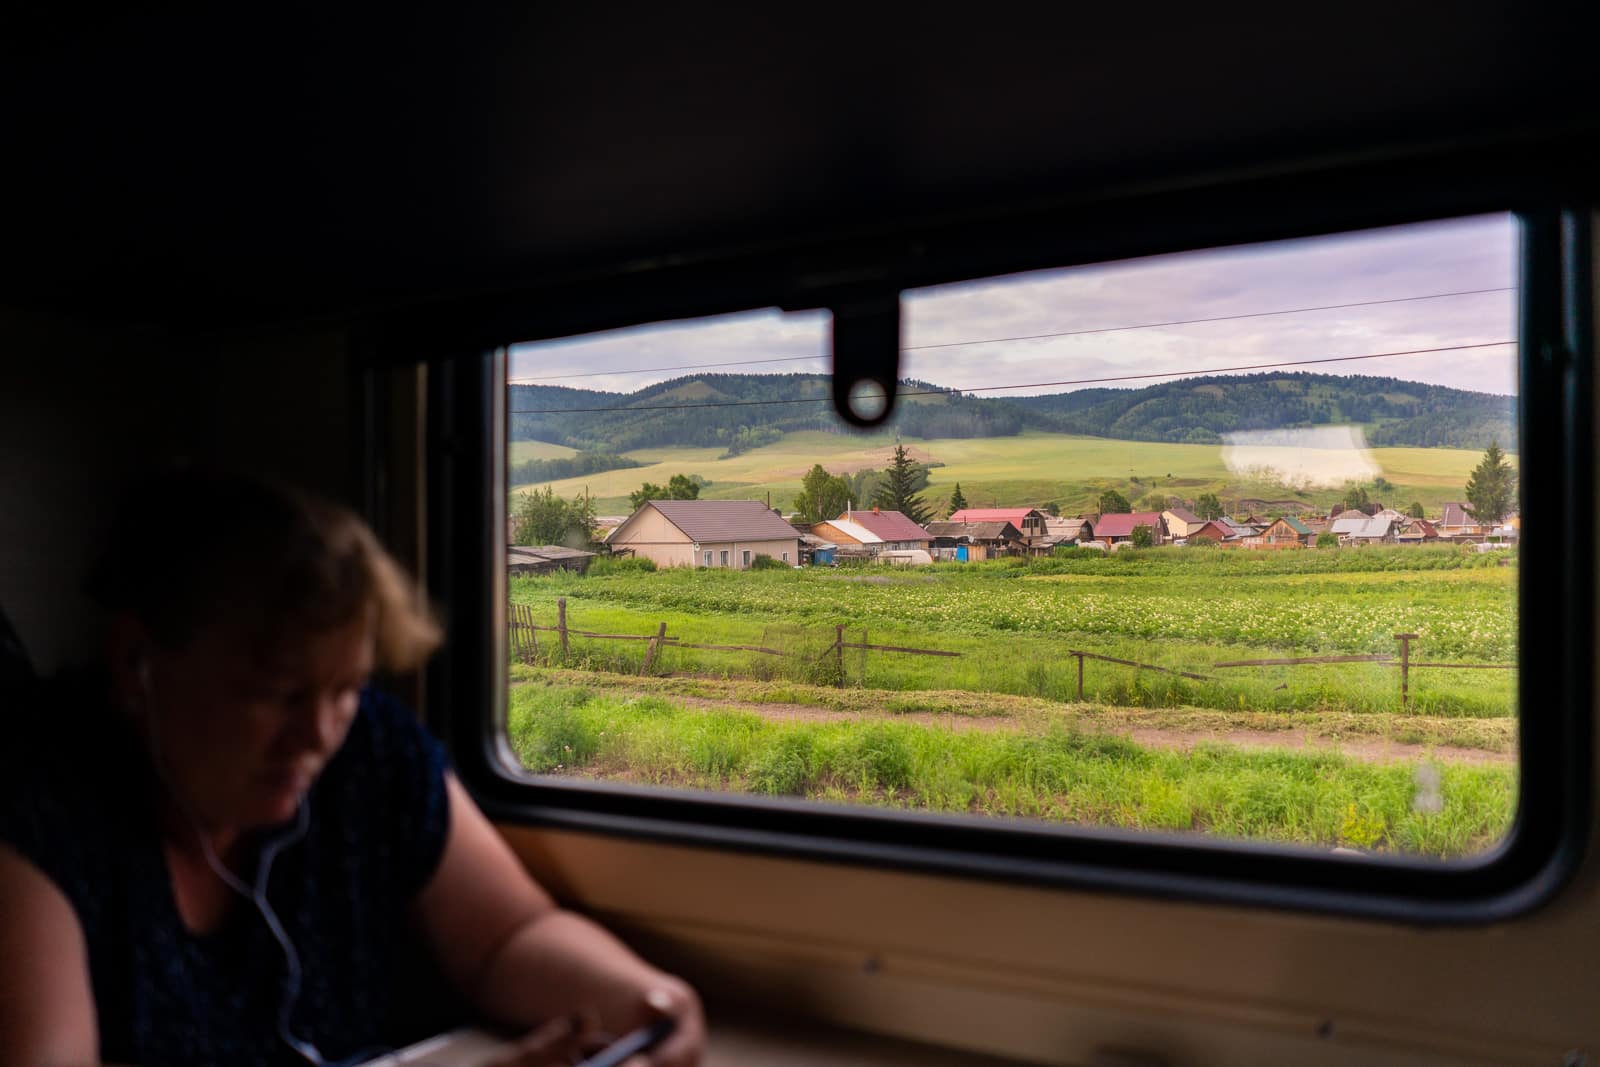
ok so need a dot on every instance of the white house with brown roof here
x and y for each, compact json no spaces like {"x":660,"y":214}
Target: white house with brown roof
{"x":706,"y":533}
{"x":1181,"y":522}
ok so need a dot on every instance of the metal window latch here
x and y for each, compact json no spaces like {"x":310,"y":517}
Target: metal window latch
{"x":866,"y":357}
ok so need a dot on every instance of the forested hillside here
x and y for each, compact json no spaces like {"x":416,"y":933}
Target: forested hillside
{"x":1200,"y":410}
{"x":738,"y":412}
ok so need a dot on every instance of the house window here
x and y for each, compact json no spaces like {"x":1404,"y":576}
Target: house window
{"x":1209,"y":626}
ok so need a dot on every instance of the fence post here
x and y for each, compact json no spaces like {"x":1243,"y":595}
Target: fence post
{"x":650,"y":653}
{"x":863,"y":657}
{"x":838,"y":649}
{"x":533,"y":635}
{"x":1405,"y":670}
{"x":561,"y":624}
{"x":1080,"y":676}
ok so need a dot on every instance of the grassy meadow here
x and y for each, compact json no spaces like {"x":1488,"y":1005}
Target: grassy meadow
{"x":1274,"y":753}
{"x":1027,"y":469}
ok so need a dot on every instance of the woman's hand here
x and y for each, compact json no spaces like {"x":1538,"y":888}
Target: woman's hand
{"x":572,"y":1038}
{"x":675,"y":1000}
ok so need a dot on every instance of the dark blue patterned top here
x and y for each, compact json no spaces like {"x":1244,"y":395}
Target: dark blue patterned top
{"x":76,"y":800}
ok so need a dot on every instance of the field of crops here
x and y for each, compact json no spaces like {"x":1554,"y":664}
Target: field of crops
{"x":1011,"y":625}
{"x":1006,"y":471}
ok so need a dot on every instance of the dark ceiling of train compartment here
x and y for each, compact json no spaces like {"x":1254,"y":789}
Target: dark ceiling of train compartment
{"x":301,"y":159}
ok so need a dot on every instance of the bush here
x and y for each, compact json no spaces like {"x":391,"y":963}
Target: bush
{"x":764,"y":562}
{"x":601,"y":566}
{"x":1326,"y":539}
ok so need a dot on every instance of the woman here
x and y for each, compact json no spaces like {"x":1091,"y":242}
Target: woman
{"x":224,"y":846}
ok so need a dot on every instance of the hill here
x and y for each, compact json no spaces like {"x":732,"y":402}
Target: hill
{"x":738,"y":412}
{"x":1395,"y":412}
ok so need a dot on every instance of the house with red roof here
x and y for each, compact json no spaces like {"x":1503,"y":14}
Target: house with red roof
{"x":1116,"y":528}
{"x":1211,"y":530}
{"x":1030,"y":522}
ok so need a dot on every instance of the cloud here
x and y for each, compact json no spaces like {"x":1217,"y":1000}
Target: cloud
{"x":1406,"y":261}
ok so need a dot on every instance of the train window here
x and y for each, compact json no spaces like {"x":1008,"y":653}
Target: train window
{"x":1215,"y":548}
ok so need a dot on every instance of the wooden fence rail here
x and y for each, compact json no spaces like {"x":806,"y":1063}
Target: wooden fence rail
{"x":524,"y":642}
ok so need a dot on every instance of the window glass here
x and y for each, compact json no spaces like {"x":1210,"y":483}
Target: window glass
{"x":1218,"y":543}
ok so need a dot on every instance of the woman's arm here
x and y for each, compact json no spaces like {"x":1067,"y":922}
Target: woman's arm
{"x":47,"y":1011}
{"x":521,"y":960}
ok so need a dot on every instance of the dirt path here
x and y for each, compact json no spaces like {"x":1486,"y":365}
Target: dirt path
{"x":1368,"y":748}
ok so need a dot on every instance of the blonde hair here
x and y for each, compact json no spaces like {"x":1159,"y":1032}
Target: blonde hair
{"x":192,"y":548}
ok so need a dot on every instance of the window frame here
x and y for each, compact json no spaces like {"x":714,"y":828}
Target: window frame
{"x":1552,"y":825}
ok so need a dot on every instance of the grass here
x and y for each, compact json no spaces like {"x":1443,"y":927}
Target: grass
{"x":1003,"y":471}
{"x":959,"y":706}
{"x":1048,"y":771}
{"x":1013,"y":625}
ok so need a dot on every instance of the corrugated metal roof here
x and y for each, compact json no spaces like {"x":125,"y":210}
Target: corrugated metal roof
{"x":724,"y":520}
{"x":853,"y":530}
{"x":888,"y":525}
{"x":1011,"y":515}
{"x":1122,"y":525}
{"x":977,"y":531}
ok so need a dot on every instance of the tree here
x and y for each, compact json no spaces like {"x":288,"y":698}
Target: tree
{"x":1325,"y":539}
{"x":1492,"y":486}
{"x":678,"y":487}
{"x":1053,"y":509}
{"x":822,"y":495}
{"x":1355,"y":498}
{"x":1141,"y":537}
{"x":899,"y":488}
{"x":957,"y":501}
{"x":1415,"y":511}
{"x":1154,"y":502}
{"x":542,"y":518}
{"x":1114,"y":503}
{"x":1208,"y":506}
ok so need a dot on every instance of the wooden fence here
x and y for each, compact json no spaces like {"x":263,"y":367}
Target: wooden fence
{"x":524,"y":636}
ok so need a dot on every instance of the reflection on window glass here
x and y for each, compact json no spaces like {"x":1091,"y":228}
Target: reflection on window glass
{"x":1220,"y":543}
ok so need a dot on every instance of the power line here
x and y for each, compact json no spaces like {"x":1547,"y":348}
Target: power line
{"x":526,"y":379}
{"x":1199,"y":372}
{"x":1214,"y":318}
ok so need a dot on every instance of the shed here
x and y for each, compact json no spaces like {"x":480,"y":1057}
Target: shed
{"x":546,"y":559}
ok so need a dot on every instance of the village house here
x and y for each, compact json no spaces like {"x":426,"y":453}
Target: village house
{"x":1284,"y":532}
{"x":1416,"y":532}
{"x":1181,"y":522}
{"x":1030,"y":522}
{"x":1360,"y":529}
{"x":1212,"y":530}
{"x":1066,"y":531}
{"x":1459,"y":524}
{"x":878,"y":532}
{"x":1239,"y":527}
{"x":1115,"y":529}
{"x":706,"y":533}
{"x":966,"y":542}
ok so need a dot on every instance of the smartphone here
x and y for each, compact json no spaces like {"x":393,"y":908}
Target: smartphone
{"x":631,"y":1044}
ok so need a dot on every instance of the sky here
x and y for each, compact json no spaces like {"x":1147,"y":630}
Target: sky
{"x":979,"y":320}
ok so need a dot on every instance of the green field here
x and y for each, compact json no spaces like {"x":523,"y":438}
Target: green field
{"x":1012,"y":624}
{"x":1027,"y":469}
